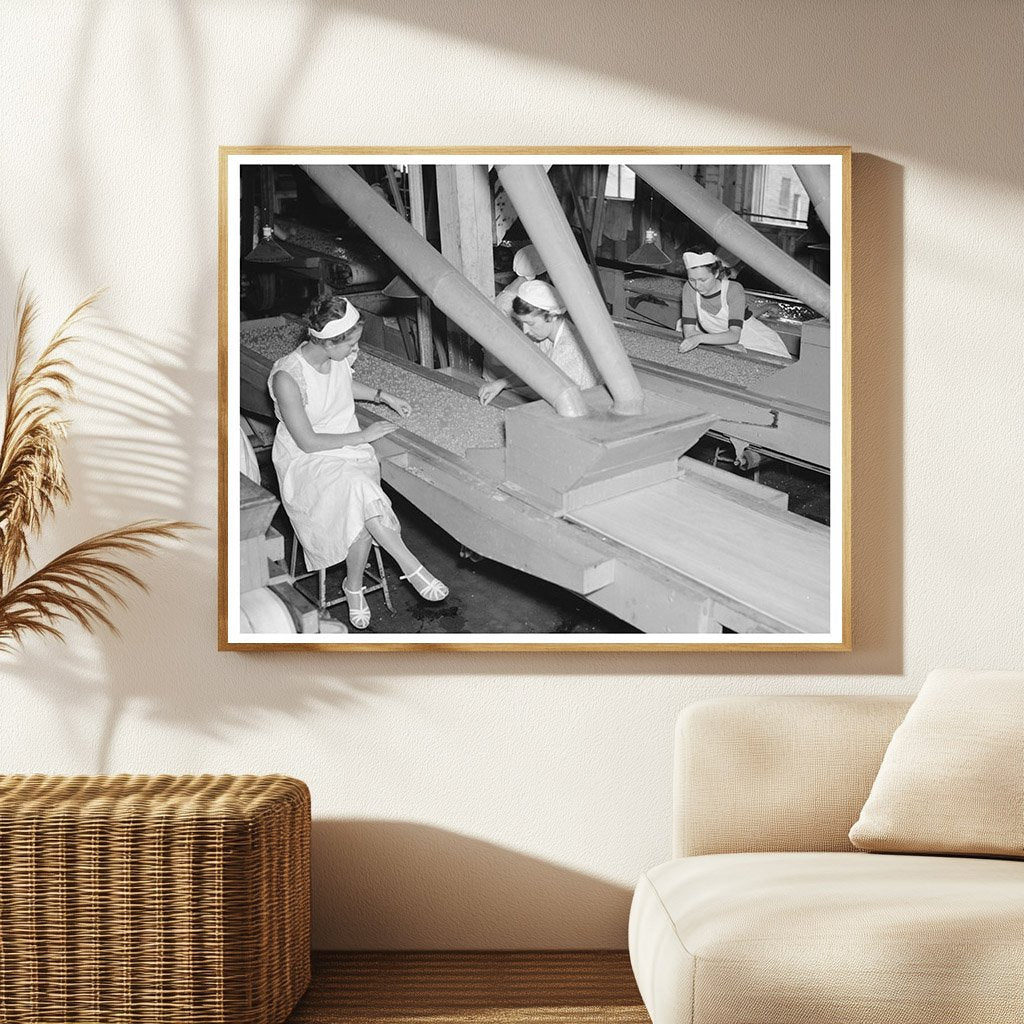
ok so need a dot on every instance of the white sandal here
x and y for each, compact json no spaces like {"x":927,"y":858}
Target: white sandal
{"x":358,"y":610}
{"x":432,"y":589}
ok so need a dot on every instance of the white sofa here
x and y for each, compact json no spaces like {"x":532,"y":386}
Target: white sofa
{"x":768,"y":915}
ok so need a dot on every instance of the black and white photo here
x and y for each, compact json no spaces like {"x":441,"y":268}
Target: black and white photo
{"x":582,"y":400}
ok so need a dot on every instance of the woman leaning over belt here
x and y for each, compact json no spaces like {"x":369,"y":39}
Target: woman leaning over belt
{"x":713,"y":307}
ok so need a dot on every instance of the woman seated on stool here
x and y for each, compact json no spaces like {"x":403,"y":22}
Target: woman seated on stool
{"x":539,"y":313}
{"x":326,"y":466}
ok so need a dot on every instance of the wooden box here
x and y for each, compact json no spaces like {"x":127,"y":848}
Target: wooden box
{"x":564,"y":463}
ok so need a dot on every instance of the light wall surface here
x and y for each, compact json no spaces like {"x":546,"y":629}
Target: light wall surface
{"x":486,"y":800}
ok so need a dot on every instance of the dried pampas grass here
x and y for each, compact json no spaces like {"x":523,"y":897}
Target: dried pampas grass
{"x":31,"y":472}
{"x":83,"y":583}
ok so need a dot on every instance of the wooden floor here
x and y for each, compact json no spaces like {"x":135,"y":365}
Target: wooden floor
{"x":466,"y":988}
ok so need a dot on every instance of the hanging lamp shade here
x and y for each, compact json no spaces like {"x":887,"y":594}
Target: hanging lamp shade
{"x":650,"y":254}
{"x":400,"y":288}
{"x":268,"y":251}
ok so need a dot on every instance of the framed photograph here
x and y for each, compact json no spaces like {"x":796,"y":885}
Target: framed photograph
{"x":507,"y":400}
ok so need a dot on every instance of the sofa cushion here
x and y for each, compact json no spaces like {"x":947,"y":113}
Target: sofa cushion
{"x":950,"y":781}
{"x":777,"y":772}
{"x":790,"y":938}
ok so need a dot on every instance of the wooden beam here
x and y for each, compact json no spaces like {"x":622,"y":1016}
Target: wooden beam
{"x":396,"y":194}
{"x":256,"y":508}
{"x":786,"y":429}
{"x":597,"y":222}
{"x":588,"y":249}
{"x":464,"y":204}
{"x":418,"y":219}
{"x":304,"y":612}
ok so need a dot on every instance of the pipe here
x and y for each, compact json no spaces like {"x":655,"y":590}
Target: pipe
{"x":446,"y":287}
{"x":540,"y":211}
{"x":732,"y":231}
{"x":815,"y":178}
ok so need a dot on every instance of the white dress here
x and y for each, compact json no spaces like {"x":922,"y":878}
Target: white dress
{"x":329,"y":495}
{"x":566,"y":352}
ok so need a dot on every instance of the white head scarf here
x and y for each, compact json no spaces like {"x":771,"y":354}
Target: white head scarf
{"x":333,"y":328}
{"x":698,"y":259}
{"x":541,"y":295}
{"x":527,"y":263}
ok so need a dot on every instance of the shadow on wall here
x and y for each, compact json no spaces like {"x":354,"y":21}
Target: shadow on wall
{"x":129,"y":460}
{"x":881,"y":73}
{"x":156,"y":682}
{"x":152,"y":396}
{"x":142,"y":452}
{"x":402,"y":885}
{"x":146,"y":445}
{"x":151,"y":450}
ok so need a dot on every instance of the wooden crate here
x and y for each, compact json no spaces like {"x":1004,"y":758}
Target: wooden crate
{"x":145,"y":899}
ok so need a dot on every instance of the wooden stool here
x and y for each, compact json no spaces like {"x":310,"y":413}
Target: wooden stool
{"x":379,"y":579}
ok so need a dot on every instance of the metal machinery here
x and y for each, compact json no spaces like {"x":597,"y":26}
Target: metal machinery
{"x":592,"y":490}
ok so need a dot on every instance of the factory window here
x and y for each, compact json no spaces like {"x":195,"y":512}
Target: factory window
{"x":621,"y":182}
{"x":777,"y":197}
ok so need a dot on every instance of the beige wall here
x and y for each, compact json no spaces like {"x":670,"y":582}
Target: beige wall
{"x":481,"y":800}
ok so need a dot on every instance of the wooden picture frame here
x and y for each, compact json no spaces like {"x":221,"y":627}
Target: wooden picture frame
{"x":683,"y":496}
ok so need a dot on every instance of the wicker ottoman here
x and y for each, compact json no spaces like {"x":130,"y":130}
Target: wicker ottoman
{"x":171,"y":899}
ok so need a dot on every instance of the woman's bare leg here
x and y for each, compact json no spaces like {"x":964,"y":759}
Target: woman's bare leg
{"x":391,"y":541}
{"x":355,"y":560}
{"x":425,"y":583}
{"x":355,"y":564}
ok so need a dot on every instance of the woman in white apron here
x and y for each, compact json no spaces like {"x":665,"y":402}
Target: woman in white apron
{"x":714,"y":310}
{"x":539,"y":313}
{"x":326,"y":466}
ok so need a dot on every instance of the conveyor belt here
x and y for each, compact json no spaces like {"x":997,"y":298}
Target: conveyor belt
{"x":317,"y":240}
{"x":271,"y":338}
{"x":273,"y":341}
{"x":670,"y":288}
{"x":720,"y":381}
{"x":442,"y":415}
{"x":782,"y":308}
{"x":365,"y":265}
{"x":445,"y":417}
{"x":705,"y":361}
